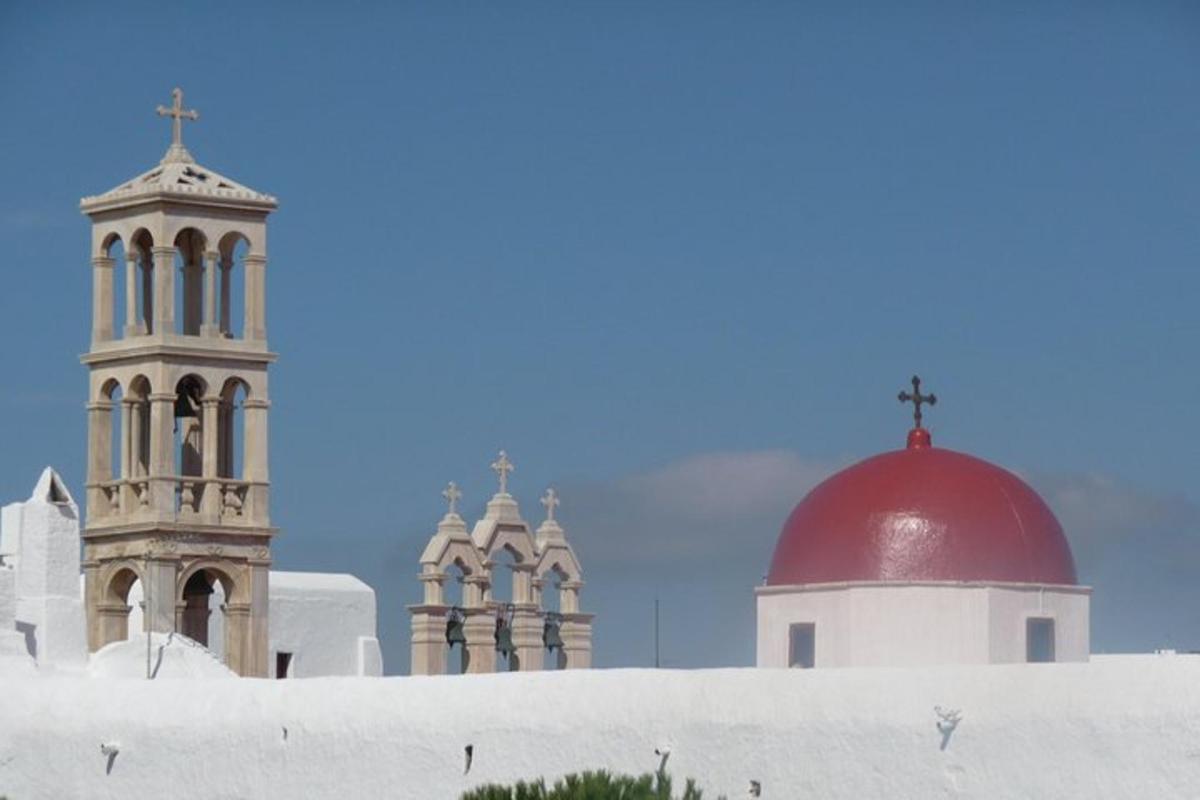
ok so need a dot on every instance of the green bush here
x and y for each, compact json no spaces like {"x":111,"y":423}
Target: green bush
{"x":589,"y":786}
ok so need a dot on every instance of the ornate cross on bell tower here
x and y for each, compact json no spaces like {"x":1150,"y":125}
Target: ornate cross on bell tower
{"x":550,"y":501}
{"x":502,"y":466}
{"x":452,"y":494}
{"x":917,"y":399}
{"x":177,"y":152}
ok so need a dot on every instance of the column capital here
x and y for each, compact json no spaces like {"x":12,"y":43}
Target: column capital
{"x":100,"y":405}
{"x":211,"y":255}
{"x":240,"y":609}
{"x":161,"y":397}
{"x":132,"y":256}
{"x":102,"y":261}
{"x":254,"y":258}
{"x":210,"y":400}
{"x":256,"y":402}
{"x":162,"y":250}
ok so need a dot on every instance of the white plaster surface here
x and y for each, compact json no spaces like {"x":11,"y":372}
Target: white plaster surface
{"x":43,"y":534}
{"x":12,"y":643}
{"x":325,"y":620}
{"x":322,"y":619}
{"x":172,"y":656}
{"x":1115,"y":728}
{"x":920,"y":624}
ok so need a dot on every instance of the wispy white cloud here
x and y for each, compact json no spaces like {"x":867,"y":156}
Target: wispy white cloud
{"x":1098,"y":511}
{"x":714,"y":505}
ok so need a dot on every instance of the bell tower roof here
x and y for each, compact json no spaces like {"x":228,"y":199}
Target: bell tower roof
{"x":178,"y":178}
{"x":184,"y":181}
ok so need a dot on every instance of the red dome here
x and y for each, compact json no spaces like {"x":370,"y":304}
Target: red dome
{"x":922,"y":514}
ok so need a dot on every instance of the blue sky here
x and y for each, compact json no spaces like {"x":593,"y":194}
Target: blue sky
{"x":697,"y":247}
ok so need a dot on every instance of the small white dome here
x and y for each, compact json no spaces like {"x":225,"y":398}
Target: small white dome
{"x":172,"y":655}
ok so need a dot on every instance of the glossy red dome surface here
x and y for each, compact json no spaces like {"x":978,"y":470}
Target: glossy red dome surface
{"x":922,"y":514}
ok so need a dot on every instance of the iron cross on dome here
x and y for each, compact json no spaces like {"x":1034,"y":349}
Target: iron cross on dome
{"x":916,"y":398}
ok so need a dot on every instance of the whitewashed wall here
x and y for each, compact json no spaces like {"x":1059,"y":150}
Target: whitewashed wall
{"x":327,"y":622}
{"x":1112,"y":728}
{"x":914,"y":624}
{"x":41,"y":537}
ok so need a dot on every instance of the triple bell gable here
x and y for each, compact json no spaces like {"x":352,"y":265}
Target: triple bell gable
{"x":517,"y":629}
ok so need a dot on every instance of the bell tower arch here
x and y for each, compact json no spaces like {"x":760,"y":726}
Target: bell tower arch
{"x":177,"y":477}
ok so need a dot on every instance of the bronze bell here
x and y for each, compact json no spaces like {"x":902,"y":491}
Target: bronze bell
{"x":550,"y":632}
{"x":454,"y":628}
{"x":186,"y":406}
{"x":504,"y":640}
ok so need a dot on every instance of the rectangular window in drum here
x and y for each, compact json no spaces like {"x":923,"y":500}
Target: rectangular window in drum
{"x":1039,"y":640}
{"x":802,"y":645}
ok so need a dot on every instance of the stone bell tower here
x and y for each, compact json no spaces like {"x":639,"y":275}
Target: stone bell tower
{"x":177,"y":478}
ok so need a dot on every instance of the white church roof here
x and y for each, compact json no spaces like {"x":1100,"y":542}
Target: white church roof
{"x":317,"y":581}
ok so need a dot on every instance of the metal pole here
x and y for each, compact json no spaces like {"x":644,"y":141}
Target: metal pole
{"x":656,"y":661}
{"x":146,"y":618}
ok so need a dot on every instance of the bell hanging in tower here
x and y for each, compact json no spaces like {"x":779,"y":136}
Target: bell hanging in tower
{"x":454,"y":628}
{"x":551,"y":635}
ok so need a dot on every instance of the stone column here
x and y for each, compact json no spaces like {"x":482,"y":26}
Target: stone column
{"x":527,"y":626}
{"x":164,"y":290}
{"x":479,"y":628}
{"x":210,"y":500}
{"x":158,"y":593}
{"x":254,"y":459}
{"x":132,"y":328}
{"x":111,"y":624}
{"x":576,"y":633}
{"x":259,"y":619}
{"x":432,"y":582}
{"x":131,"y":433}
{"x":99,"y":467}
{"x":226,"y":321}
{"x":568,"y":602}
{"x":522,"y":583}
{"x":246,"y":632}
{"x":209,"y":328}
{"x":92,"y":599}
{"x":237,"y":636}
{"x":429,"y":639}
{"x":162,"y":460}
{"x":256,"y":297}
{"x":102,"y":299}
